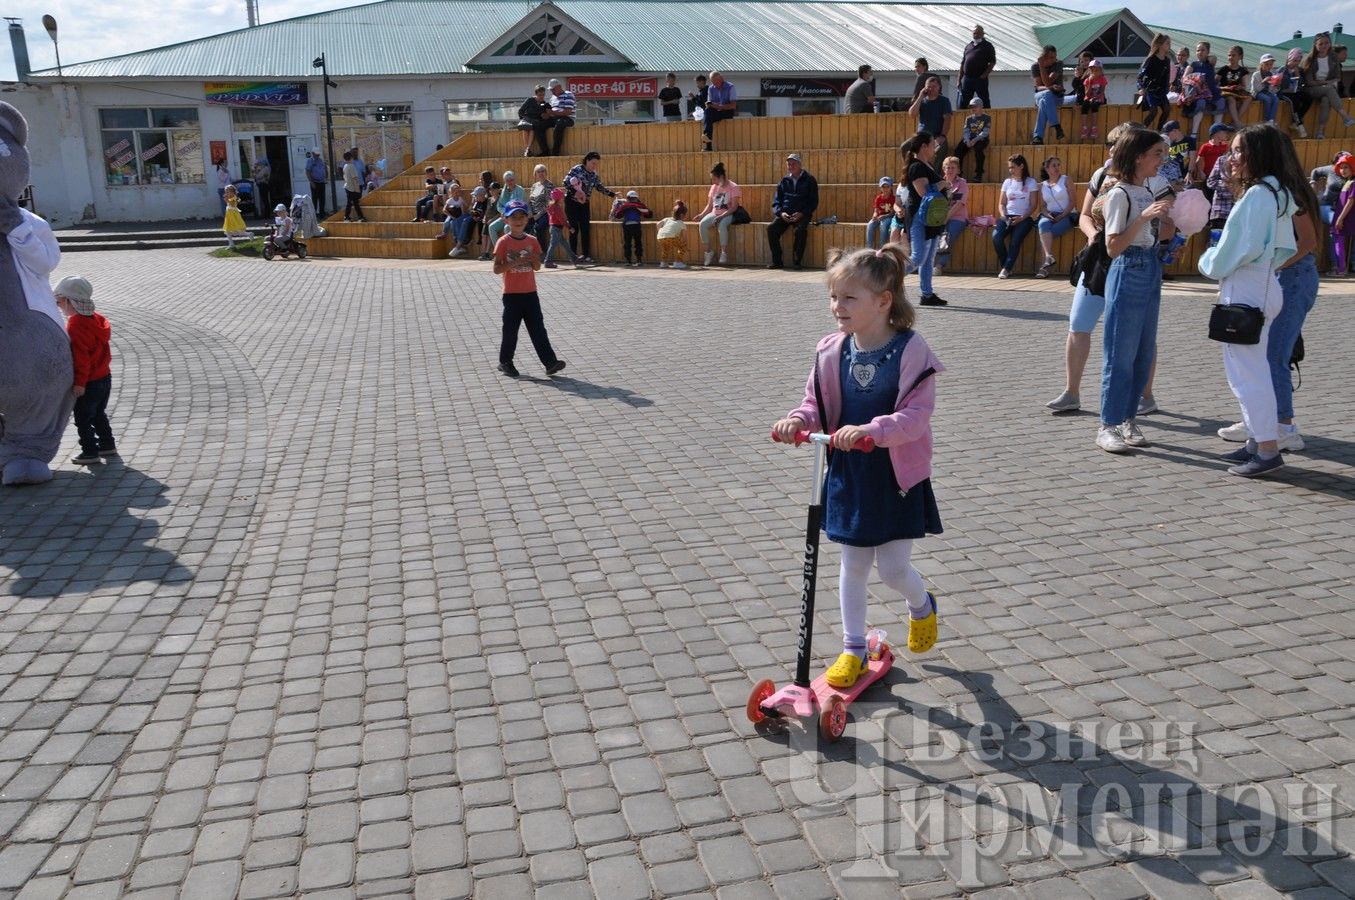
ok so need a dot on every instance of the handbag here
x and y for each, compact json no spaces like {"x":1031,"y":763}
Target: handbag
{"x":741,"y":217}
{"x":1236,"y":324}
{"x":1091,"y":266}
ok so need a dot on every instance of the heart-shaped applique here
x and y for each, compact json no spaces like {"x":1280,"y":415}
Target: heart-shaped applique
{"x":864,"y":373}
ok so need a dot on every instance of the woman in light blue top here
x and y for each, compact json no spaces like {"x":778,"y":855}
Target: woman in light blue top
{"x":511,"y":191}
{"x":1257,"y":237}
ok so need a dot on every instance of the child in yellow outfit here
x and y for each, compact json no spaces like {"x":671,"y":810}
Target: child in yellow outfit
{"x":234,"y":223}
{"x":673,"y":238}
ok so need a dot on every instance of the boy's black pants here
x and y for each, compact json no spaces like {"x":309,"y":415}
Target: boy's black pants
{"x":630,"y":235}
{"x":517,"y":309}
{"x":91,"y":423}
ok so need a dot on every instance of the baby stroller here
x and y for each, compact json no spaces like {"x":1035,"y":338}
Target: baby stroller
{"x":245,"y":195}
{"x":283,"y":239}
{"x":303,"y":215}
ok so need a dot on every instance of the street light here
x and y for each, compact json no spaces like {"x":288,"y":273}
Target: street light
{"x":50,"y":24}
{"x":319,"y":63}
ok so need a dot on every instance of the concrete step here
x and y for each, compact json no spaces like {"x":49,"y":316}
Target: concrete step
{"x":113,"y":238}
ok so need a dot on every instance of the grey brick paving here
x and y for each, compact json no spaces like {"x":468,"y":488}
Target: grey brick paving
{"x":355,"y":616}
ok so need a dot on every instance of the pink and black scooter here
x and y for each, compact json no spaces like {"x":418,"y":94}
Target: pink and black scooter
{"x":802,"y":698}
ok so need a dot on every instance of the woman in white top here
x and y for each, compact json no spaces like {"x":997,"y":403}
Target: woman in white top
{"x":1136,"y":219}
{"x":1257,"y":237}
{"x":1018,"y":206}
{"x":1323,"y":71}
{"x":1058,"y":214}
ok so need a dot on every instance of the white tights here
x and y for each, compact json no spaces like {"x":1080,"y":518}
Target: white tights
{"x":896,"y":571}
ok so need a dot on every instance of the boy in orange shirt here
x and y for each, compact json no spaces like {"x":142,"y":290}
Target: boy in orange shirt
{"x":91,"y":353}
{"x":517,"y":256}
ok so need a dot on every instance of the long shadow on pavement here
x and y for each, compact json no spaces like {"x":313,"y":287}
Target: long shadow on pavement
{"x":77,"y":532}
{"x":589,"y":391}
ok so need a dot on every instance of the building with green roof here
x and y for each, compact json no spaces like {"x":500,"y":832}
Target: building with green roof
{"x":150,"y":135}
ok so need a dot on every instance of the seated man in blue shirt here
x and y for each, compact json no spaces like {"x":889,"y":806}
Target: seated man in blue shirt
{"x":721,"y":103}
{"x":797,"y":196}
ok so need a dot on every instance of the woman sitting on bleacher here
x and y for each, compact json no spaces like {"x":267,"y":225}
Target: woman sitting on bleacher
{"x":724,"y":198}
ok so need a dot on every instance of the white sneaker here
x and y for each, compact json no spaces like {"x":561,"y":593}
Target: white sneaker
{"x":1147,"y":405}
{"x":1109,"y":439}
{"x":1003,"y":273}
{"x":1064,"y":402}
{"x":1290,"y":440}
{"x":1132,"y":436}
{"x":1236,"y":433}
{"x":458,"y":251}
{"x":724,"y":257}
{"x":680,"y":265}
{"x":662,"y":264}
{"x":1303,"y":132}
{"x":710,"y":257}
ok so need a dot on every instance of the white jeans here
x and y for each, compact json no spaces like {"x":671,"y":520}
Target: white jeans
{"x":894,"y":561}
{"x":1246,"y":365}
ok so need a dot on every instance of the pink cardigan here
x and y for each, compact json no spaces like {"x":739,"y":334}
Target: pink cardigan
{"x":907,"y":432}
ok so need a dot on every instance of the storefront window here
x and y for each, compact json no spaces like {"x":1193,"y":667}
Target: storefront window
{"x":494,"y":114}
{"x":249,"y":119}
{"x":614,"y":110}
{"x":383,"y":132}
{"x":816,"y":107}
{"x":151,"y":145}
{"x":751,"y":107}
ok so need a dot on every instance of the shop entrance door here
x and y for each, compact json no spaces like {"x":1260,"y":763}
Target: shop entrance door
{"x":277,"y":187}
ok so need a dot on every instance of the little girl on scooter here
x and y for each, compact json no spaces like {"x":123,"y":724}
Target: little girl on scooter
{"x":874,"y":377}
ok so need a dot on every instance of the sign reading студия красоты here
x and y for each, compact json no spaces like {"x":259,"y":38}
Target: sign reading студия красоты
{"x":256,"y":93}
{"x":805,"y":88}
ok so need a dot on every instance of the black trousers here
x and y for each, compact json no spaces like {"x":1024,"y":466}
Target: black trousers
{"x":558,"y":126}
{"x":580,"y":239}
{"x":778,"y":228}
{"x":631,"y":236}
{"x":517,"y":309}
{"x":318,"y":198}
{"x":980,"y":148}
{"x":541,"y":128}
{"x":354,"y":204}
{"x":713,"y":116}
{"x":91,"y":421}
{"x":972,"y":87}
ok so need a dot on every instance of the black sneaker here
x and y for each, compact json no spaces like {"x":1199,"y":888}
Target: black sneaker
{"x":110,"y":453}
{"x":556,"y":367}
{"x":509,"y":369}
{"x":1058,"y":132}
{"x":85,"y":459}
{"x":1037,"y":140}
{"x":932,"y":300}
{"x":775,"y":265}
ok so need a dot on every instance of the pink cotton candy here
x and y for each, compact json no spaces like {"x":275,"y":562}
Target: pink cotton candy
{"x":1190,"y":212}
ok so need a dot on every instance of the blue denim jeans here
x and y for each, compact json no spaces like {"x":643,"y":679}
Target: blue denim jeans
{"x":924,"y":253}
{"x":558,"y":241}
{"x":954,"y":228}
{"x":1270,"y":103}
{"x":1007,"y":240}
{"x":1047,"y":105}
{"x":1133,"y":299}
{"x":878,"y":229}
{"x":1299,"y":283}
{"x":1062,"y":226}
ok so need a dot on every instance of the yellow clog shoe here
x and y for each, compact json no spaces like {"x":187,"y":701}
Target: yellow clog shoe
{"x":844,"y":672}
{"x":922,"y":632}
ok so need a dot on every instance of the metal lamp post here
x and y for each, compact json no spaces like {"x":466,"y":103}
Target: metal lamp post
{"x":319,"y":63}
{"x":50,"y":24}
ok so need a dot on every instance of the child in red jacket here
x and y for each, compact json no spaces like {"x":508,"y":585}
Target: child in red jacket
{"x":91,"y":353}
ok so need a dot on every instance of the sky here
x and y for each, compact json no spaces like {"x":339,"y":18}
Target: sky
{"x":91,"y":30}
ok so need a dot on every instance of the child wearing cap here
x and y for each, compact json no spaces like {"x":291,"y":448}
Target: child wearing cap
{"x":673,"y":238}
{"x":559,"y":222}
{"x":1180,"y":148}
{"x":1264,"y":83}
{"x":881,"y":215}
{"x":1220,"y":137}
{"x":91,"y":355}
{"x":1293,"y":90}
{"x":464,"y":229}
{"x":517,"y":256}
{"x":1093,"y":97}
{"x":630,"y":212}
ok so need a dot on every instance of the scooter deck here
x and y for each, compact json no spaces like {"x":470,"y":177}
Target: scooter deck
{"x":807,"y":702}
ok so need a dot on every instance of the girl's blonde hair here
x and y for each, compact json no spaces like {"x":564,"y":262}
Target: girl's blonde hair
{"x":230,"y":189}
{"x":950,"y":159}
{"x":879,"y":270}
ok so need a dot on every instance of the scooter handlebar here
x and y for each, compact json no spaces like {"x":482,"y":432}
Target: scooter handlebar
{"x":865,"y":444}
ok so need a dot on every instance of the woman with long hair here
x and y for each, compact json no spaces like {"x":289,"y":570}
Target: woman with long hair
{"x":723,"y":199}
{"x":919,"y":152}
{"x":1322,"y":71}
{"x":1018,"y":206}
{"x":1136,"y":213}
{"x":1257,"y":237}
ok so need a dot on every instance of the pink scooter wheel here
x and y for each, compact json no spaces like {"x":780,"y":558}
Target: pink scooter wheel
{"x":833,"y":722}
{"x":761,"y":691}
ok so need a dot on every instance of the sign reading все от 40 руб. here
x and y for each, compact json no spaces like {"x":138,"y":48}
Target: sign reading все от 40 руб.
{"x":604,"y":87}
{"x":256,"y":93}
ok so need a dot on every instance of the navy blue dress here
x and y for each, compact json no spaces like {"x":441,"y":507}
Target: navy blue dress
{"x":863,"y":504}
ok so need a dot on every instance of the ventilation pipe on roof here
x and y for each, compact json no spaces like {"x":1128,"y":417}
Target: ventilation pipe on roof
{"x":20,"y":45}
{"x":1338,"y":28}
{"x":252,"y":12}
{"x":1297,"y":34}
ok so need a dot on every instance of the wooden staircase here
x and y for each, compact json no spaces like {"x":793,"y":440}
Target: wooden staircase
{"x":846,"y":153}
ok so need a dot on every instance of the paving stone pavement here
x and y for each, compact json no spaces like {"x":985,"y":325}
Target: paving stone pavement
{"x":355,"y":616}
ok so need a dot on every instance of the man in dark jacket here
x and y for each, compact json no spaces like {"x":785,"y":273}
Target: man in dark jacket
{"x":797,"y":196}
{"x":975,"y":67}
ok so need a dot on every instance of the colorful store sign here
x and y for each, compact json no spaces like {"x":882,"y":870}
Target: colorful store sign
{"x":257,"y":93}
{"x":602,"y":87}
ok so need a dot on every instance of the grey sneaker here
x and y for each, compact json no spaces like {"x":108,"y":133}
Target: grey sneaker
{"x":1147,"y":405}
{"x":1109,"y":439}
{"x":1065,"y":402}
{"x":1132,"y":436}
{"x":1241,"y":454}
{"x":1257,"y":466}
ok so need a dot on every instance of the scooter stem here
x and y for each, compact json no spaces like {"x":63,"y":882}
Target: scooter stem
{"x":813,"y":522}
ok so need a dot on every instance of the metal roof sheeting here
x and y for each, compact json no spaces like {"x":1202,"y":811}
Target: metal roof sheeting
{"x":417,"y":38}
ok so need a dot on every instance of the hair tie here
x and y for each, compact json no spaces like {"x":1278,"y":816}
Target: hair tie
{"x":880,"y":254}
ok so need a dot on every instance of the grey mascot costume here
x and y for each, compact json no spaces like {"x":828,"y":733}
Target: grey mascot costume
{"x":35,"y":354}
